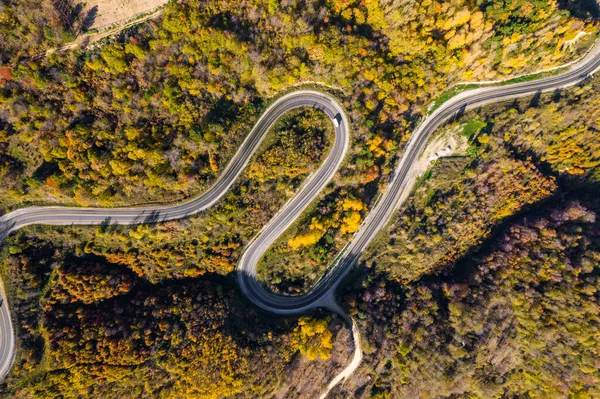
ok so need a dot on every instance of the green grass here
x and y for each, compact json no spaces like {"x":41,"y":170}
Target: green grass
{"x":472,"y":151}
{"x":472,"y":127}
{"x":529,"y":78}
{"x":448,"y":94}
{"x":422,"y":179}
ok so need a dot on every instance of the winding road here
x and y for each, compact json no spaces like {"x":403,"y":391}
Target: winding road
{"x":322,"y":294}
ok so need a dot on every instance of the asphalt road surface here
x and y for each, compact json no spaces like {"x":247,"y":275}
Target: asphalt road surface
{"x":56,"y":215}
{"x":322,"y":294}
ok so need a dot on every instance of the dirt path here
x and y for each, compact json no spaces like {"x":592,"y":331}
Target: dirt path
{"x":130,"y":16}
{"x":353,"y":365}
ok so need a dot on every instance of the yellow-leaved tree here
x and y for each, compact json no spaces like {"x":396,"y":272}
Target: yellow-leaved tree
{"x":312,"y":338}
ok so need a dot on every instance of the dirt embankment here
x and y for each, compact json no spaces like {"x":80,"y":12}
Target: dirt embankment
{"x":309,"y":379}
{"x":102,"y":14}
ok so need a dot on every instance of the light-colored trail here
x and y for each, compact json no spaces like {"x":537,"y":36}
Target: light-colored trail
{"x":354,"y":363}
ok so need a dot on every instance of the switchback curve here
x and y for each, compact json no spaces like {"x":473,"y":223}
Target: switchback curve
{"x":58,"y":215}
{"x":321,"y":295}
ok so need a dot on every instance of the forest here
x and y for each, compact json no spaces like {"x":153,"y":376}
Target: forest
{"x":29,"y":27}
{"x":522,"y":154}
{"x":443,"y":298}
{"x":500,"y":299}
{"x":156,"y":113}
{"x":94,"y":304}
{"x":517,"y":318}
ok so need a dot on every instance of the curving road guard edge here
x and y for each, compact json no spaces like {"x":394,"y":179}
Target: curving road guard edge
{"x":322,"y":294}
{"x":58,"y":215}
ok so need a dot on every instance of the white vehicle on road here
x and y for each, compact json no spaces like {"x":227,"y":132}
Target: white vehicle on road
{"x":323,"y":292}
{"x":336,"y":120}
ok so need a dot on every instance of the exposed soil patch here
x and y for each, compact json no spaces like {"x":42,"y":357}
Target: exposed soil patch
{"x":100,"y":14}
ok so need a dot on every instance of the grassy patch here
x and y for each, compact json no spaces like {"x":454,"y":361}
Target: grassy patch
{"x":529,"y":78}
{"x":472,"y":151}
{"x":422,"y":179}
{"x":448,"y":94}
{"x":472,"y":127}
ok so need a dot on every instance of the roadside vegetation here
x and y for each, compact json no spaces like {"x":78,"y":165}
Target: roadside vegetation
{"x":92,"y":303}
{"x":520,"y":153}
{"x":155,"y":114}
{"x":485,"y":283}
{"x":28,"y":27}
{"x":517,"y":317}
